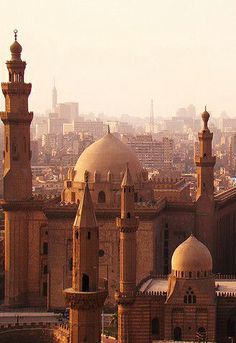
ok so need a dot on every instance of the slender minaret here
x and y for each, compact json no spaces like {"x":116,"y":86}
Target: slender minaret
{"x":127,"y":225}
{"x":205,"y":162}
{"x":152,"y":117}
{"x":54,"y":98}
{"x":85,"y":298}
{"x":17,"y":178}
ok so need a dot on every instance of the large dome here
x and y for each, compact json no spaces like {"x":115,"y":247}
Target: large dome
{"x":108,"y":154}
{"x":192,"y":257}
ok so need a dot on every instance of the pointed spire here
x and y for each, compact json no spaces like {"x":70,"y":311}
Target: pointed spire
{"x":85,"y":217}
{"x":127,"y":179}
{"x":108,"y":129}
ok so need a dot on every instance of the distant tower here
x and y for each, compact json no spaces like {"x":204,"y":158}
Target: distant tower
{"x":205,"y":163}
{"x":127,"y":224}
{"x":17,"y":178}
{"x":85,"y":298}
{"x":152,"y":123}
{"x":54,"y":98}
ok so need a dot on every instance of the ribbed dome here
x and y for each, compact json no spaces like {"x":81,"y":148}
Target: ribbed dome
{"x":108,"y":154}
{"x":192,"y":257}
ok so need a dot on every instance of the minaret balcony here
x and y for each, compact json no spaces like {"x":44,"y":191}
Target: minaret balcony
{"x":11,"y":117}
{"x":127,"y":224}
{"x":16,"y":88}
{"x":85,"y":300}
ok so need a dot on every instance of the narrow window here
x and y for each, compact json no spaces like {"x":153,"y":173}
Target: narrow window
{"x":89,"y":235}
{"x":71,"y":264}
{"x":45,"y":269}
{"x":155,"y":326}
{"x":45,"y":289}
{"x":45,"y":248}
{"x":101,"y":197}
{"x":85,"y":283}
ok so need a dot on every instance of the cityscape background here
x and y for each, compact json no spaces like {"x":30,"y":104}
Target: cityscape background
{"x":113,"y":56}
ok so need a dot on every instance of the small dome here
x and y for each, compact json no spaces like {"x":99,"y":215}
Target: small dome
{"x":16,"y":48}
{"x":107,"y":155}
{"x":192,"y":257}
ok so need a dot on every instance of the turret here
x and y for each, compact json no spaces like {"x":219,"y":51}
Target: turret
{"x":127,"y":225}
{"x":86,"y":297}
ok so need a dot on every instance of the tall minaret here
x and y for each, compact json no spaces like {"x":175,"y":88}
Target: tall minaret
{"x":127,"y":224}
{"x":54,"y":98}
{"x":17,"y":177}
{"x":86,"y":297}
{"x":152,"y":123}
{"x":205,"y":162}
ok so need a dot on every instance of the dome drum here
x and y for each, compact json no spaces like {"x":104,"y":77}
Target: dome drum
{"x":191,"y":275}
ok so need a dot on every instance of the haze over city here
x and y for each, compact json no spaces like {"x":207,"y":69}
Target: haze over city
{"x":113,"y":56}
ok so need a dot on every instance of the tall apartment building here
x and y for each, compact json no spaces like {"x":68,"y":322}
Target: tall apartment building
{"x":153,"y":154}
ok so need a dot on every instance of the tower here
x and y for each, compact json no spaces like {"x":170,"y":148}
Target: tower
{"x":87,"y":295}
{"x":17,"y":177}
{"x":127,"y":225}
{"x":54,"y":98}
{"x":205,"y":162}
{"x":152,"y":117}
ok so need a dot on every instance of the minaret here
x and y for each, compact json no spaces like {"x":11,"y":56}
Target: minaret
{"x":86,"y":297}
{"x":127,"y":225}
{"x":54,"y":98}
{"x":152,"y":117}
{"x":17,"y":177}
{"x":205,"y":161}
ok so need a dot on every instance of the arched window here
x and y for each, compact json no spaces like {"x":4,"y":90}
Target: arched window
{"x":177,"y":334}
{"x":190,"y":297}
{"x":155,"y":326}
{"x":101,"y":197}
{"x":85,"y":283}
{"x":128,"y":215}
{"x":231,"y":328}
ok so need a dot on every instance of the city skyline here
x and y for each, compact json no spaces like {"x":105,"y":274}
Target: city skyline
{"x":126,"y":53}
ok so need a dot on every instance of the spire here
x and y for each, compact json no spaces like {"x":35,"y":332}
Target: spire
{"x":108,"y":129}
{"x":151,"y":117}
{"x":127,"y":179}
{"x":85,"y":216}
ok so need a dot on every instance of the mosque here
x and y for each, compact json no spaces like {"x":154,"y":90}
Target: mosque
{"x":132,"y":252}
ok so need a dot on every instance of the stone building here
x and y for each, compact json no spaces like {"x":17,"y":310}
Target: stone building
{"x":38,"y":234}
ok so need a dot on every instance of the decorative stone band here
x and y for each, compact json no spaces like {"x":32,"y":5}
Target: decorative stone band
{"x":16,"y":88}
{"x":125,"y":298}
{"x":85,"y":300}
{"x":10,"y":117}
{"x":127,"y":225}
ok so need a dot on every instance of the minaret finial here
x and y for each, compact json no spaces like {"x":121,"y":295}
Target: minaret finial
{"x":205,"y":108}
{"x":205,"y":118}
{"x":15,"y":34}
{"x":108,"y":129}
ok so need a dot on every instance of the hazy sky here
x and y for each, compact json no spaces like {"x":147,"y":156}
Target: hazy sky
{"x":113,"y":56}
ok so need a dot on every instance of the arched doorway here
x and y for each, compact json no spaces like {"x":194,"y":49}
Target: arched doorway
{"x":231,"y":328}
{"x":201,"y":334}
{"x":85,"y":283}
{"x":177,"y":334}
{"x":155,"y":327}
